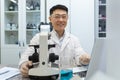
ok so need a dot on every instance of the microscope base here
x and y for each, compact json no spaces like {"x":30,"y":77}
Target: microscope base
{"x":53,"y":77}
{"x":44,"y":73}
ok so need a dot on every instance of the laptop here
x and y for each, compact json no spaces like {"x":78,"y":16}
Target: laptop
{"x":97,"y":62}
{"x":99,"y":68}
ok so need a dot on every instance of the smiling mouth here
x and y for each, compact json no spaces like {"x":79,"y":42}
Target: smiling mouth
{"x":61,"y":25}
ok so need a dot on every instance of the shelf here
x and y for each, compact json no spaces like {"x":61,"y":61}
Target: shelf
{"x":11,"y":30}
{"x":11,"y":11}
{"x":102,"y":4}
{"x":32,"y":29}
{"x":33,"y":11}
{"x":102,"y":18}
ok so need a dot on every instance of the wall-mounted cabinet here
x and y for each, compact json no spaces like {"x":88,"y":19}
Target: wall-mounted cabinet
{"x":101,"y":19}
{"x":20,"y":20}
{"x":33,"y":16}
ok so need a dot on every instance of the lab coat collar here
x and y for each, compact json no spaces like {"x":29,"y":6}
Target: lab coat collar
{"x":55,"y":38}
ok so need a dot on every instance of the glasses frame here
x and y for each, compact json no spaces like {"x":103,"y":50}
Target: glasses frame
{"x":59,"y":16}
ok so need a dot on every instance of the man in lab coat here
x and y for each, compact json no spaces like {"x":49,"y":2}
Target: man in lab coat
{"x":67,"y":46}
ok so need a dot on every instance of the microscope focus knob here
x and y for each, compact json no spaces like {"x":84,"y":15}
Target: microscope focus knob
{"x":53,"y":57}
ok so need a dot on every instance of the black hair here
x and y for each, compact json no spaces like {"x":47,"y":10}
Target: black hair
{"x":59,"y":6}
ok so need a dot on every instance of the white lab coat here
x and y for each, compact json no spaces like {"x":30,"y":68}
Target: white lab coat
{"x":69,"y":49}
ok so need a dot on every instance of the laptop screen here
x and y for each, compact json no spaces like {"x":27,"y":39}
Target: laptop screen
{"x":97,"y":62}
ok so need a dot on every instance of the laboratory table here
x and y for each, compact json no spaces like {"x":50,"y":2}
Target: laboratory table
{"x":19,"y":76}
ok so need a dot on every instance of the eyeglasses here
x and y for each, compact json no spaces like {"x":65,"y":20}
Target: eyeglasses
{"x":57,"y":16}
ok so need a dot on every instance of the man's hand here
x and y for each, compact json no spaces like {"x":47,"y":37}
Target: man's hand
{"x":84,"y":59}
{"x":24,"y":68}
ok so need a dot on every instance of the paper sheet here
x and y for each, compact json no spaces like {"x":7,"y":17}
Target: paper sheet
{"x":8,"y":72}
{"x":78,"y":69}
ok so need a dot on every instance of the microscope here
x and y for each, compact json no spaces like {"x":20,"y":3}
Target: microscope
{"x":43,"y":71}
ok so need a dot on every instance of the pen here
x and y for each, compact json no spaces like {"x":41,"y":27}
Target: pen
{"x":4,"y":72}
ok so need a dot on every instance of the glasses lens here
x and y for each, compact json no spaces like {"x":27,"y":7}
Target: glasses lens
{"x":60,"y":16}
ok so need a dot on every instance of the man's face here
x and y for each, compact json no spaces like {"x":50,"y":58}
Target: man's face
{"x":59,"y":20}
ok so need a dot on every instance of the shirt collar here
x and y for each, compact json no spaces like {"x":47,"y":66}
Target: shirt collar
{"x":57,"y":34}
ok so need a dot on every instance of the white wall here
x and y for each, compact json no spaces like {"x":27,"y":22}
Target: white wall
{"x":82,"y":22}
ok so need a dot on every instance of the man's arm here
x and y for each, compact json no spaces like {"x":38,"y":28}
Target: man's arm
{"x":24,"y":63}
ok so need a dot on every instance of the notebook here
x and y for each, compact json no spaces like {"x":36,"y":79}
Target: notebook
{"x":8,"y":72}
